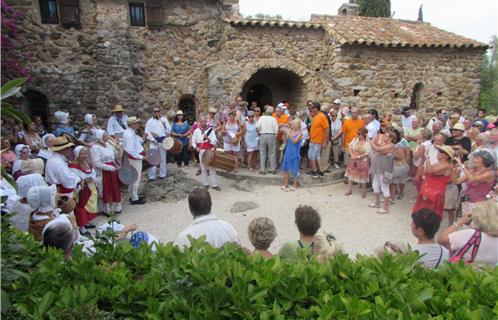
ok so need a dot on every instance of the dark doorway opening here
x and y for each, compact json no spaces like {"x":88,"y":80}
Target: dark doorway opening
{"x":274,"y":85}
{"x":261,"y":94}
{"x":415,"y":98}
{"x":38,"y":106}
{"x":187,"y":105}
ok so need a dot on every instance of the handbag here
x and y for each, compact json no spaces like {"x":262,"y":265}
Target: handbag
{"x":387,"y":177}
{"x":399,"y":171}
{"x":474,"y":241}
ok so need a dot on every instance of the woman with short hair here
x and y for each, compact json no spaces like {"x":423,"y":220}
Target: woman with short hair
{"x":292,"y":156}
{"x":484,"y":227}
{"x":252,"y":141}
{"x":32,"y":138}
{"x":262,"y":232}
{"x":232,"y":132}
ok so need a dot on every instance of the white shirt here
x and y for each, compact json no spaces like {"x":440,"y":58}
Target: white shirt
{"x":57,"y":172}
{"x":198,"y":137}
{"x":217,"y":232}
{"x":373,"y":128}
{"x":100,"y":155}
{"x":488,"y":249}
{"x":304,"y":130}
{"x":406,"y":122}
{"x":267,"y":124}
{"x":432,"y":254}
{"x":113,"y":126}
{"x":432,"y":153}
{"x":21,"y":217}
{"x":132,"y":144}
{"x":335,"y":127}
{"x":157,"y":127}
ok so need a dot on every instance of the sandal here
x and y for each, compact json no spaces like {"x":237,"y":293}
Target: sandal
{"x":284,"y":188}
{"x":382,"y":211}
{"x":292,"y":189}
{"x":374,"y":205}
{"x":348,"y":193}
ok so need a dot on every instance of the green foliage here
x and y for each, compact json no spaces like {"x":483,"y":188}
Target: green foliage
{"x":10,"y":89}
{"x":489,"y":79}
{"x":208,"y":283}
{"x":375,"y":8}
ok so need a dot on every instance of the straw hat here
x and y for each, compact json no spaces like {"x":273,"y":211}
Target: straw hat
{"x":179,"y":112}
{"x":458,"y":126}
{"x":448,"y":150}
{"x":212,"y":110}
{"x":118,"y":108}
{"x":132,"y":120}
{"x":61,"y":143}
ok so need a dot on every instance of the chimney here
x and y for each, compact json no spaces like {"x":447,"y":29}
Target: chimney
{"x":349,"y":9}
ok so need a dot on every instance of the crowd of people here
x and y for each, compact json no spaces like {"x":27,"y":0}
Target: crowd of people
{"x":451,"y":160}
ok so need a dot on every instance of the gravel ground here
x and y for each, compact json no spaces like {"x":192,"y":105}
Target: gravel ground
{"x":358,"y":227}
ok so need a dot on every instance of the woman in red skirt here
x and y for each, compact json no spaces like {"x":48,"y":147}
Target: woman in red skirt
{"x":86,"y":201}
{"x":103,"y":159}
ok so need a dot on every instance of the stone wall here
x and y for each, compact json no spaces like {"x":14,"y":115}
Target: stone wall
{"x":384,"y":78}
{"x":198,"y":54}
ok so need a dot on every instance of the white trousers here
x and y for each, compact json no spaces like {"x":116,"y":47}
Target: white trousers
{"x":204,"y":172}
{"x":133,"y":189}
{"x":162,"y":165}
{"x":379,"y":185}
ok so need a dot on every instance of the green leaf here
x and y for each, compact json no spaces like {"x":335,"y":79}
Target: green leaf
{"x":425,"y":294}
{"x":5,"y":301}
{"x":45,"y":303}
{"x":10,"y":87}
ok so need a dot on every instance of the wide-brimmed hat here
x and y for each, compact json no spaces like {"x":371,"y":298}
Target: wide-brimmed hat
{"x":118,"y":108}
{"x":212,"y":110}
{"x":132,"y":120}
{"x":337,"y":101}
{"x":179,"y":112}
{"x":61,"y":143}
{"x":458,"y":126}
{"x":448,"y":150}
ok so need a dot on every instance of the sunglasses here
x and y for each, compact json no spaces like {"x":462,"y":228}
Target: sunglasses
{"x":250,"y":116}
{"x":156,"y":111}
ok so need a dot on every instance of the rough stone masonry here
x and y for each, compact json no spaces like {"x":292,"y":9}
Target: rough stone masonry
{"x":202,"y":53}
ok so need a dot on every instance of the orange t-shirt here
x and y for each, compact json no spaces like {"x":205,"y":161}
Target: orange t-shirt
{"x":350,"y":129}
{"x":319,"y":127}
{"x":284,"y":119}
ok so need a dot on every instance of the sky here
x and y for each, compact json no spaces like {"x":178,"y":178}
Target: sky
{"x":475,"y":19}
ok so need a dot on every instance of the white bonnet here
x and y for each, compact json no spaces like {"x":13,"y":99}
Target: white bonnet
{"x":42,"y":198}
{"x":89,"y":118}
{"x":45,"y":137}
{"x":26,"y":182}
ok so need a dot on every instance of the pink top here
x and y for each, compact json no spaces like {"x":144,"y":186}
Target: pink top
{"x":477,"y":191}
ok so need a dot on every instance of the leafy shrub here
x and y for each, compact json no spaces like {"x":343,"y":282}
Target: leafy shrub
{"x":206,"y":283}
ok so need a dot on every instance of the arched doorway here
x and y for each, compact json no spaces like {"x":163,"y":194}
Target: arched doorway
{"x":274,"y":85}
{"x":187,"y":105}
{"x":38,"y":105}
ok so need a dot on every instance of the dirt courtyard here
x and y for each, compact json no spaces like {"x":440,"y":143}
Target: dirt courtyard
{"x":360,"y":229}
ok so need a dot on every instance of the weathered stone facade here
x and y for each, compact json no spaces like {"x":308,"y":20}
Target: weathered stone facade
{"x":206,"y":53}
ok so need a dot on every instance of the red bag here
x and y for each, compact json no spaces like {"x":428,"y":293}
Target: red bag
{"x":475,"y":241}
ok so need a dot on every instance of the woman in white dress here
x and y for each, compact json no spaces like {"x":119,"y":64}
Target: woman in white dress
{"x":103,"y":159}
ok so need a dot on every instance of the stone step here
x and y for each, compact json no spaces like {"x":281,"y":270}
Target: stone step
{"x":335,"y":176}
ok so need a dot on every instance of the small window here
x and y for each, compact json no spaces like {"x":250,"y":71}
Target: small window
{"x":48,"y":10}
{"x":70,"y":13}
{"x":137,"y":14}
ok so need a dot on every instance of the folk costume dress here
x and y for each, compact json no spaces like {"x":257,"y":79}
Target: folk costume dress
{"x":86,"y":199}
{"x":103,"y":160}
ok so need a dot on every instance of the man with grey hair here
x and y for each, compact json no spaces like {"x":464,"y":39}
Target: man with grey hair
{"x":267,"y":128}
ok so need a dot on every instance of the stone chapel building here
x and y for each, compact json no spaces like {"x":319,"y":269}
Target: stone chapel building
{"x":88,"y":55}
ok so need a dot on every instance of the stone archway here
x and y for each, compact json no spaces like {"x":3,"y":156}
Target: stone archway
{"x":274,"y":85}
{"x":37,"y":104}
{"x":187,"y":105}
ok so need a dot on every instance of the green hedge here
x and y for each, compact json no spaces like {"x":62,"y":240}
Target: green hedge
{"x":209,"y":283}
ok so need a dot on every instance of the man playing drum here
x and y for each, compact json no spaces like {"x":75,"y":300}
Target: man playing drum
{"x":204,"y":141}
{"x":158,"y":128}
{"x":132,"y":145}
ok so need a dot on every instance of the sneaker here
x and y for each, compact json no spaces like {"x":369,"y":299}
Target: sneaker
{"x":311,"y":173}
{"x":206,"y":187}
{"x":217,"y":188}
{"x":152,"y":180}
{"x":198,"y":173}
{"x":138,"y":201}
{"x":320,"y":174}
{"x":336,"y":166}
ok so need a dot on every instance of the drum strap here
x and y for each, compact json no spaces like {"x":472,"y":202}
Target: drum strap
{"x":120,"y":123}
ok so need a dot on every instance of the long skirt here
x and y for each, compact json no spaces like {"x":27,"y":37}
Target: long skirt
{"x":357,"y":170}
{"x":86,"y":205}
{"x":110,"y":186}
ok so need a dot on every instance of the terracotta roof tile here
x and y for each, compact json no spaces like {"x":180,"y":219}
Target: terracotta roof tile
{"x":274,"y":23}
{"x":393,"y":32}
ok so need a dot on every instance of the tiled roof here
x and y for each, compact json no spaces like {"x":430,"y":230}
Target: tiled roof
{"x":373,"y":31}
{"x":393,"y":33}
{"x":274,"y":23}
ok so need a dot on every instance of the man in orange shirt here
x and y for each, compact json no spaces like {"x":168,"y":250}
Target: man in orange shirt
{"x":350,"y":129}
{"x":319,"y":137}
{"x":282,"y":119}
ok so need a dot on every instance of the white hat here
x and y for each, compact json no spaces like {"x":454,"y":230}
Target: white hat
{"x":89,"y":118}
{"x":337,"y":101}
{"x":42,"y":198}
{"x":281,"y":106}
{"x":26,"y":182}
{"x":77,"y":151}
